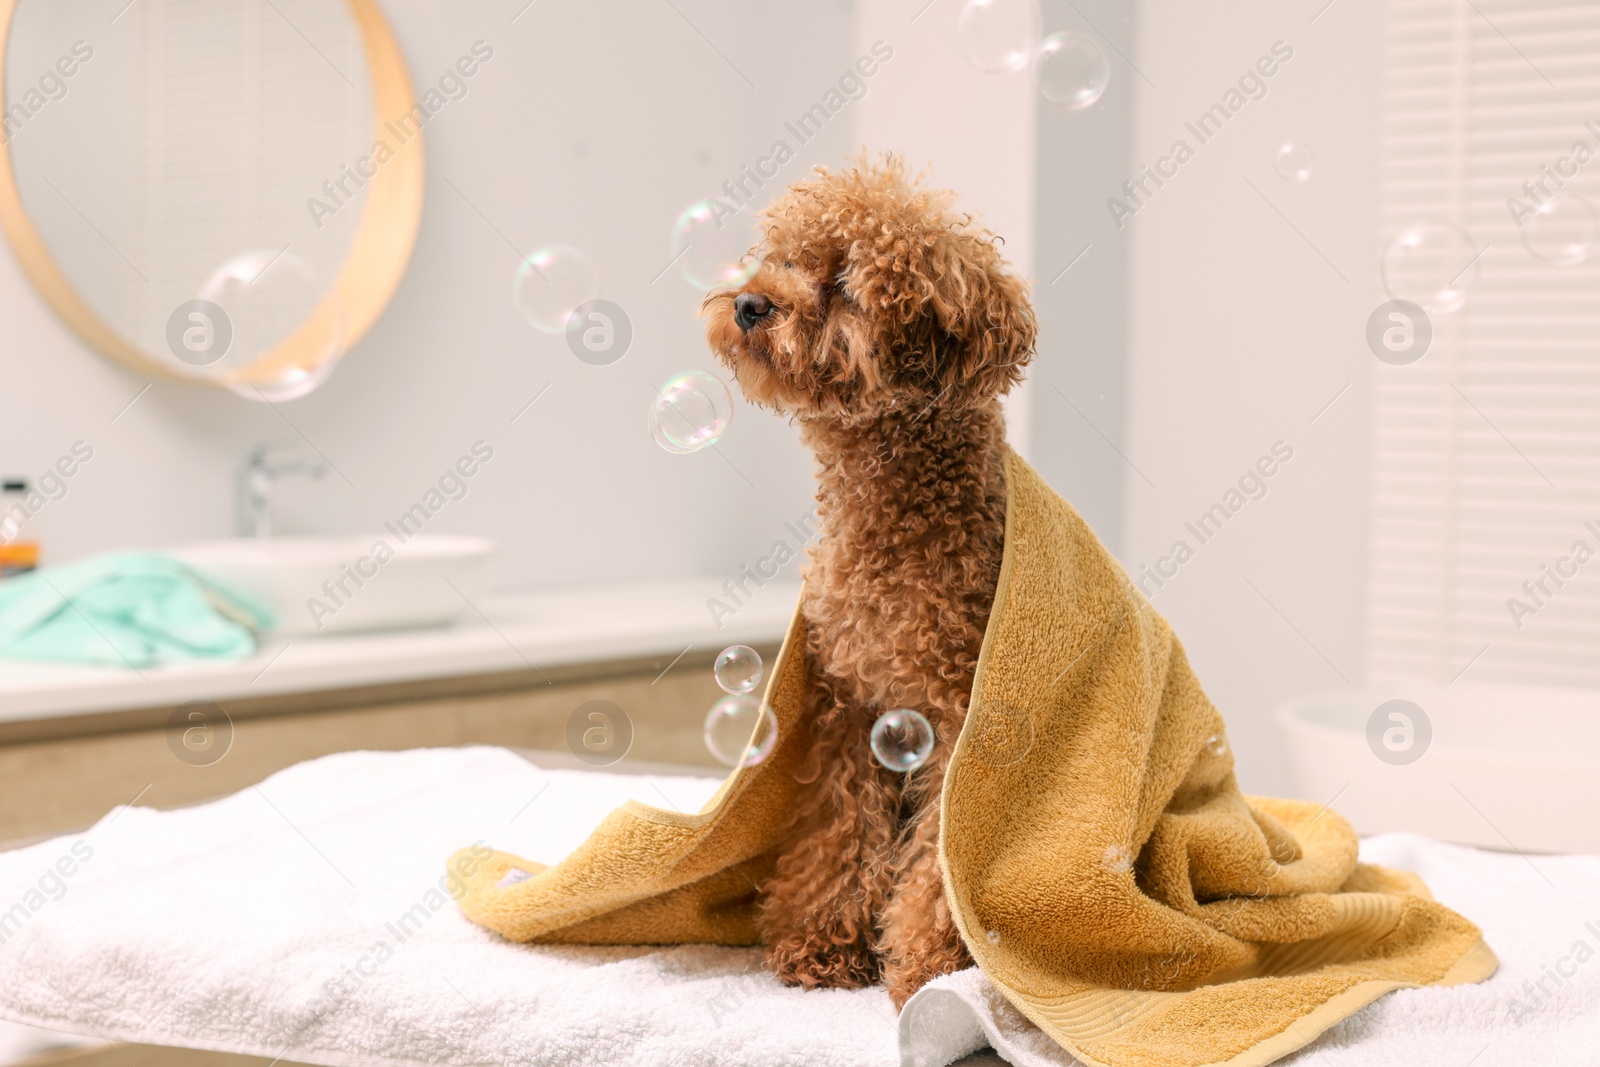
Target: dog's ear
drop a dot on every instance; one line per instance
(984, 310)
(966, 328)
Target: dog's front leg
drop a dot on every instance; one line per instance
(817, 915)
(920, 941)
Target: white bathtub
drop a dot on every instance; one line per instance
(1508, 768)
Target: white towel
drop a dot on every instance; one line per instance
(303, 918)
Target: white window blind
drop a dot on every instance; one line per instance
(244, 109)
(1486, 453)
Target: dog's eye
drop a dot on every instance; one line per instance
(788, 265)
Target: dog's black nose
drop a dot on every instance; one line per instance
(750, 308)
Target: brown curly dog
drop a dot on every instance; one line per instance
(887, 327)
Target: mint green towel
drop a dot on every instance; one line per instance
(125, 609)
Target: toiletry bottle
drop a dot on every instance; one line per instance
(19, 549)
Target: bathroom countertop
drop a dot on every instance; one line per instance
(517, 631)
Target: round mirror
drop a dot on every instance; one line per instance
(224, 191)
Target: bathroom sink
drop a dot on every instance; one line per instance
(1496, 766)
(318, 585)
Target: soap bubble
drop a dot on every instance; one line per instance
(1118, 859)
(1071, 70)
(740, 728)
(1561, 230)
(902, 739)
(712, 244)
(998, 36)
(550, 282)
(1432, 263)
(285, 329)
(287, 383)
(1293, 161)
(690, 411)
(1216, 744)
(738, 669)
(513, 876)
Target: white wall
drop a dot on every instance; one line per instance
(1081, 297)
(974, 130)
(1240, 331)
(593, 125)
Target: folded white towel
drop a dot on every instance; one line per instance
(305, 918)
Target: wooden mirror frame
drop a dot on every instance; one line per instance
(376, 261)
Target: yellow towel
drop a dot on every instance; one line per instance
(1104, 869)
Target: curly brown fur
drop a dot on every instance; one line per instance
(888, 327)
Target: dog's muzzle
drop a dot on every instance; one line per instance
(749, 309)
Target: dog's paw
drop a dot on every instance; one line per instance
(811, 965)
(906, 974)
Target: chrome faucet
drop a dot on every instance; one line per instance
(256, 480)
